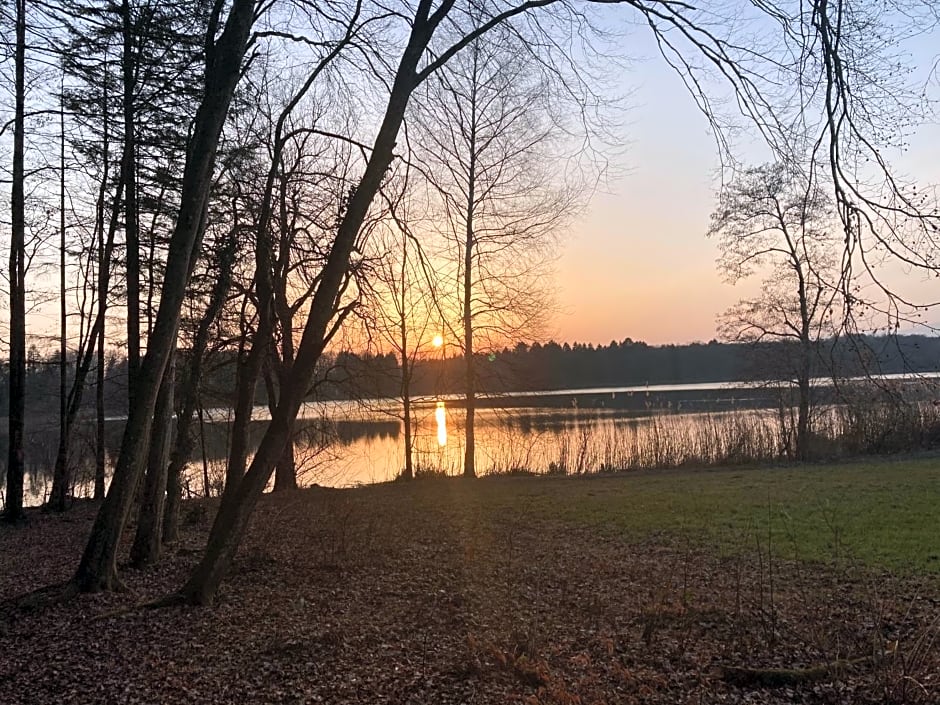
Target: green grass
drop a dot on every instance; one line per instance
(883, 514)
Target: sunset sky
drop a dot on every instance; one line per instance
(638, 264)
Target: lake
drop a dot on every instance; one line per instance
(565, 431)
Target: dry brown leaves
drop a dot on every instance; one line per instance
(421, 594)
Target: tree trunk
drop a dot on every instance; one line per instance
(62, 459)
(60, 478)
(235, 511)
(131, 226)
(185, 438)
(802, 423)
(16, 463)
(469, 460)
(98, 567)
(96, 337)
(206, 485)
(171, 510)
(103, 274)
(99, 419)
(806, 350)
(406, 367)
(408, 473)
(148, 539)
(250, 366)
(285, 474)
(802, 418)
(246, 380)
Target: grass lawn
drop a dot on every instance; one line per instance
(884, 514)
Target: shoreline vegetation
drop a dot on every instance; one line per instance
(558, 441)
(802, 583)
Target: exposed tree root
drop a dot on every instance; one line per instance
(174, 599)
(38, 600)
(781, 677)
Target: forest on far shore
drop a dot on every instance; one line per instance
(552, 365)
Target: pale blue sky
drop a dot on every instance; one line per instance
(638, 264)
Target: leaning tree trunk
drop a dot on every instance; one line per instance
(16, 462)
(131, 224)
(185, 438)
(285, 472)
(98, 567)
(148, 539)
(246, 380)
(235, 511)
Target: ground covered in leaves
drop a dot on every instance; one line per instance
(449, 591)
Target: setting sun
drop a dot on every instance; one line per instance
(438, 340)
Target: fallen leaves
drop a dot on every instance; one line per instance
(422, 594)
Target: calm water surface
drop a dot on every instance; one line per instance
(347, 443)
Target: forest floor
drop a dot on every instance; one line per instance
(818, 584)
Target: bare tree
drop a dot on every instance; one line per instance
(414, 66)
(311, 187)
(223, 262)
(490, 149)
(403, 316)
(770, 221)
(94, 340)
(148, 539)
(270, 292)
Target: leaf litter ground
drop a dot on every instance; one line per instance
(448, 591)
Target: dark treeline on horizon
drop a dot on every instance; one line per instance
(547, 366)
(552, 366)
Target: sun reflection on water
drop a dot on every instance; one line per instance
(440, 415)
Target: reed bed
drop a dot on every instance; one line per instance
(720, 439)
